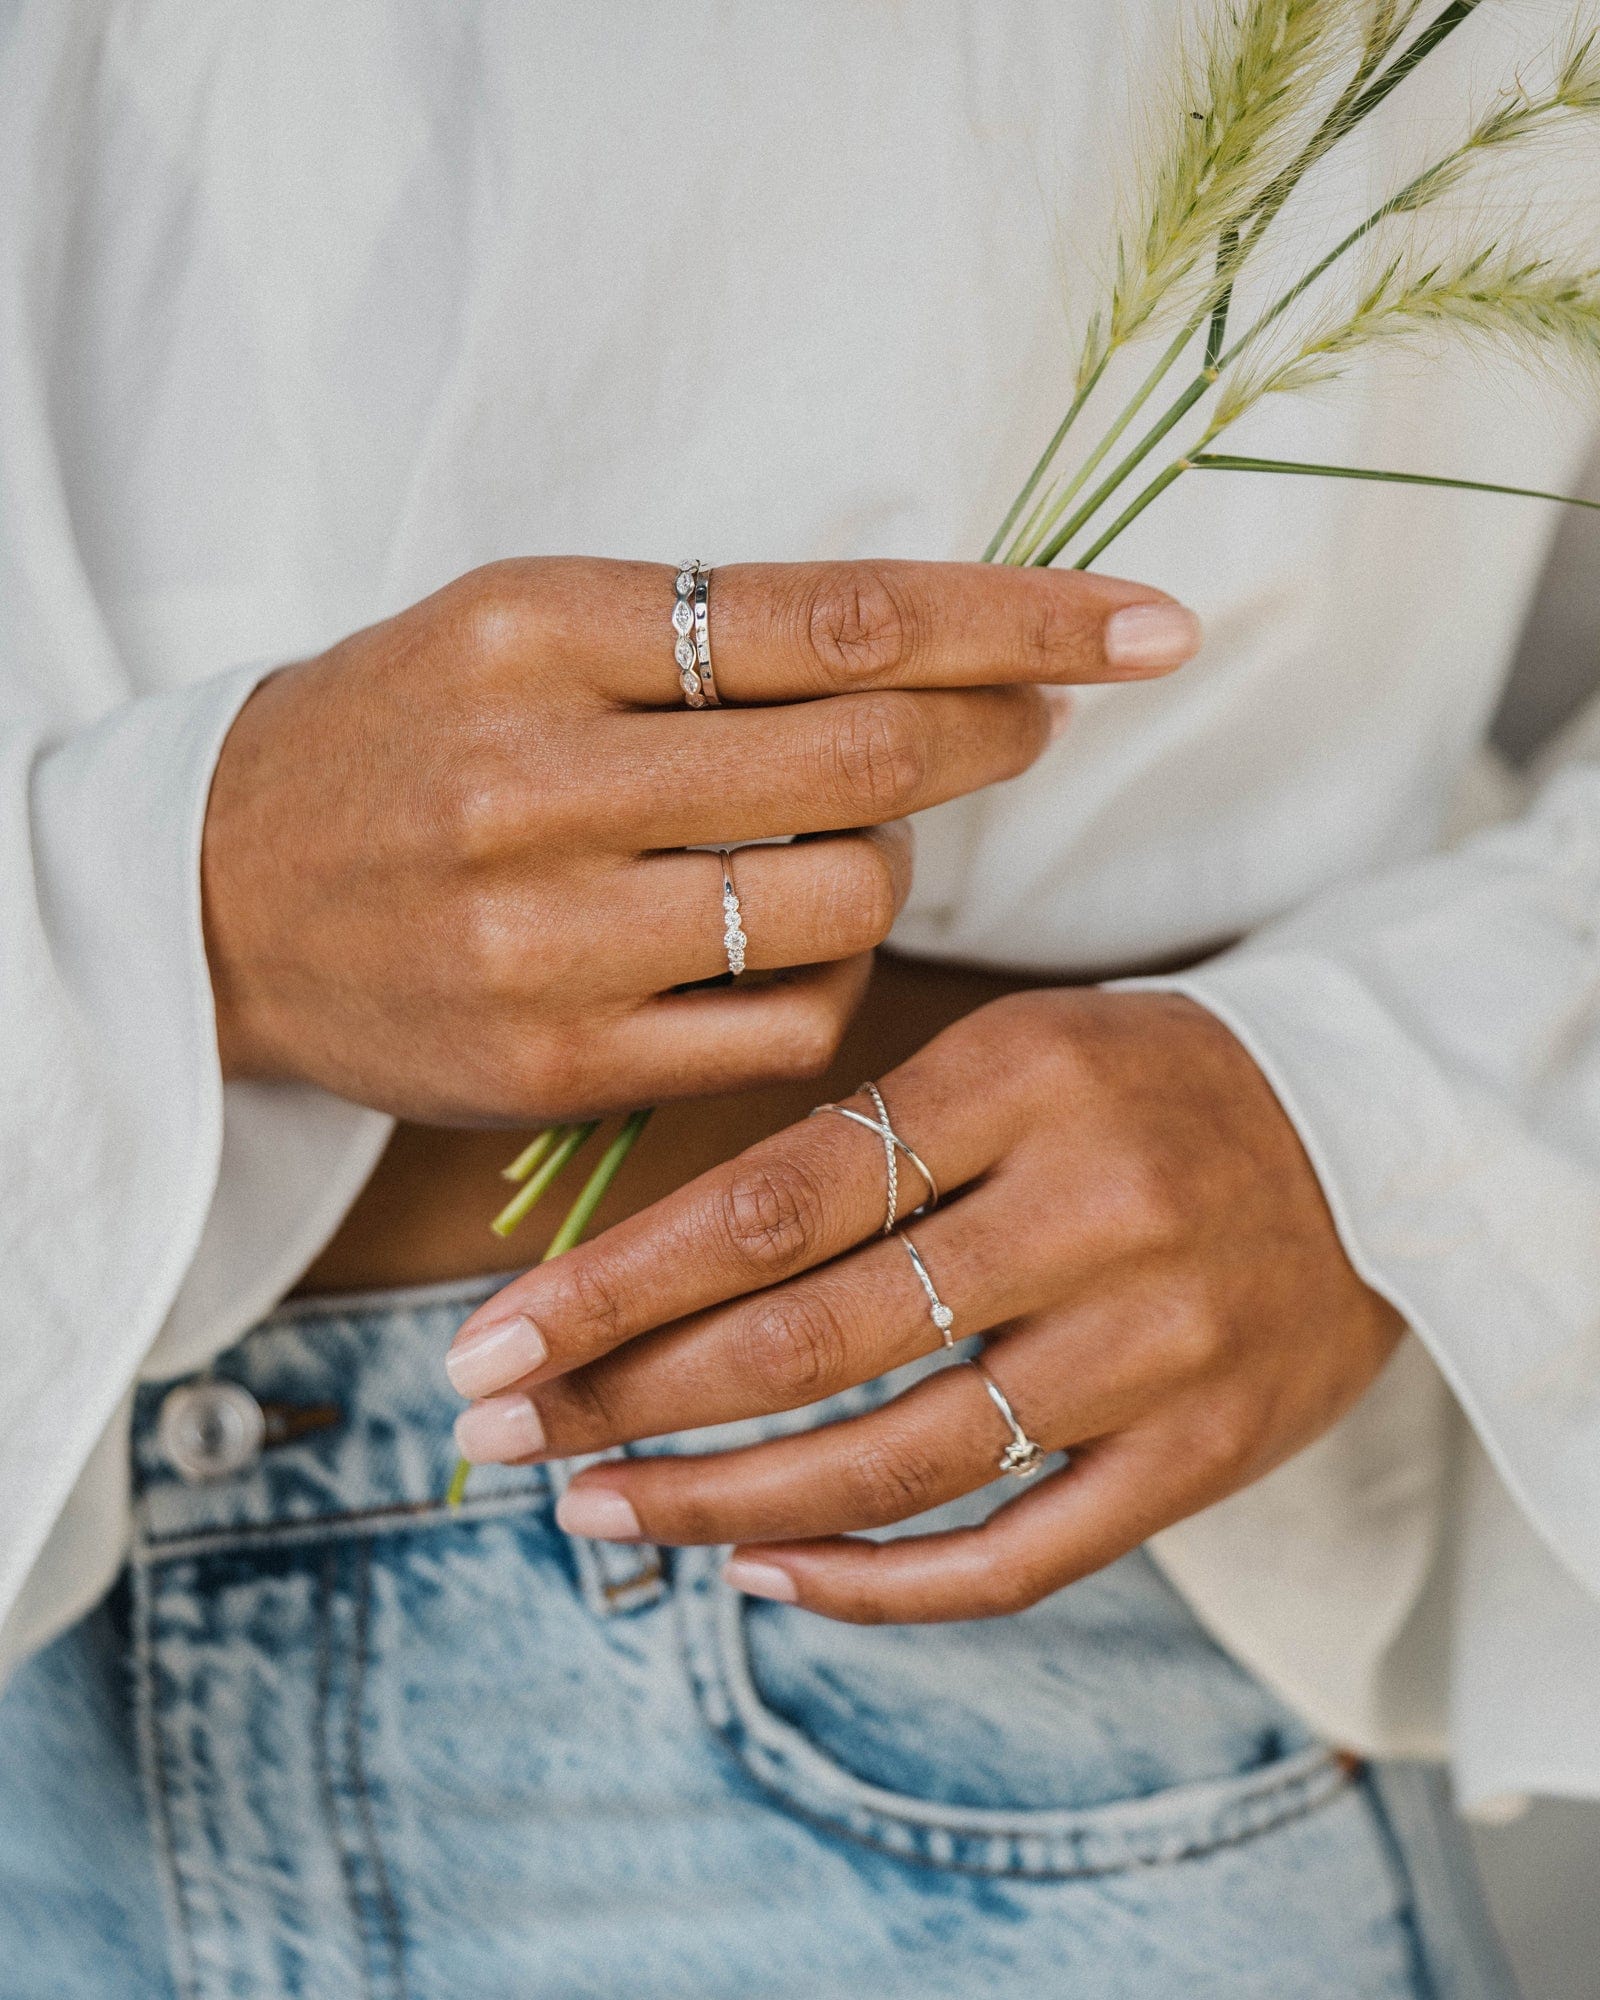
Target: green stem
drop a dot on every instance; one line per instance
(532, 1154)
(1027, 553)
(581, 1213)
(1217, 461)
(573, 1137)
(1133, 510)
(1119, 475)
(1050, 450)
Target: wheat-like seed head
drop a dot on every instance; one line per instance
(1244, 75)
(1532, 307)
(1386, 25)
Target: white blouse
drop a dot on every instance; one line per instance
(306, 308)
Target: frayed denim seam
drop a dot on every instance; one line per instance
(321, 1727)
(158, 1797)
(389, 1923)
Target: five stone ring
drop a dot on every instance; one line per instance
(691, 625)
(733, 937)
(893, 1144)
(1022, 1458)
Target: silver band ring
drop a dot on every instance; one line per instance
(1022, 1458)
(685, 651)
(941, 1315)
(702, 636)
(733, 937)
(893, 1144)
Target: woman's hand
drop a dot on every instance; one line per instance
(443, 862)
(1135, 1227)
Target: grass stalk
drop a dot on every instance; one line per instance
(573, 1138)
(581, 1213)
(532, 1154)
(1221, 461)
(1074, 410)
(1146, 389)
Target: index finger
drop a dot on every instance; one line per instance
(799, 631)
(781, 1207)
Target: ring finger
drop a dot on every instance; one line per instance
(943, 1438)
(809, 903)
(793, 1345)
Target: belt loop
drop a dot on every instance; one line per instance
(613, 1577)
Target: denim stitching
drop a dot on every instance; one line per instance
(1409, 1917)
(962, 1842)
(153, 1549)
(383, 1890)
(320, 1727)
(158, 1800)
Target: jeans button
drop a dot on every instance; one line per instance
(210, 1429)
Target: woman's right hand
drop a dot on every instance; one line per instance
(444, 867)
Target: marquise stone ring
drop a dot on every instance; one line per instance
(691, 627)
(1022, 1458)
(893, 1146)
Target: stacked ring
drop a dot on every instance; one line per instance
(691, 626)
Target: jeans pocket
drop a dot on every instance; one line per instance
(1101, 1734)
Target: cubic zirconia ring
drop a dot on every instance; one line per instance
(893, 1144)
(941, 1315)
(690, 579)
(1022, 1458)
(733, 937)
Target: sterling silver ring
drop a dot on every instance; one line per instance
(941, 1315)
(893, 1145)
(1022, 1458)
(733, 937)
(691, 627)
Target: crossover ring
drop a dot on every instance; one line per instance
(893, 1146)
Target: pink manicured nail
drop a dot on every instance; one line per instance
(1058, 701)
(760, 1580)
(598, 1514)
(503, 1428)
(1145, 638)
(489, 1355)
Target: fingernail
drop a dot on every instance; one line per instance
(1149, 637)
(1058, 702)
(760, 1580)
(598, 1514)
(503, 1428)
(488, 1356)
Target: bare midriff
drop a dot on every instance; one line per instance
(424, 1216)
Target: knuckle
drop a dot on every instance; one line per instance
(859, 626)
(882, 756)
(813, 1042)
(586, 1295)
(479, 810)
(1227, 1435)
(1050, 632)
(872, 897)
(494, 613)
(890, 1479)
(772, 1216)
(1003, 1591)
(793, 1349)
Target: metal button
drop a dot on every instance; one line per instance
(210, 1429)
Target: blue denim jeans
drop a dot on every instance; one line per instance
(332, 1741)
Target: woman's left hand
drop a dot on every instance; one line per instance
(1128, 1216)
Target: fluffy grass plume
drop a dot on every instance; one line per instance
(1223, 122)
